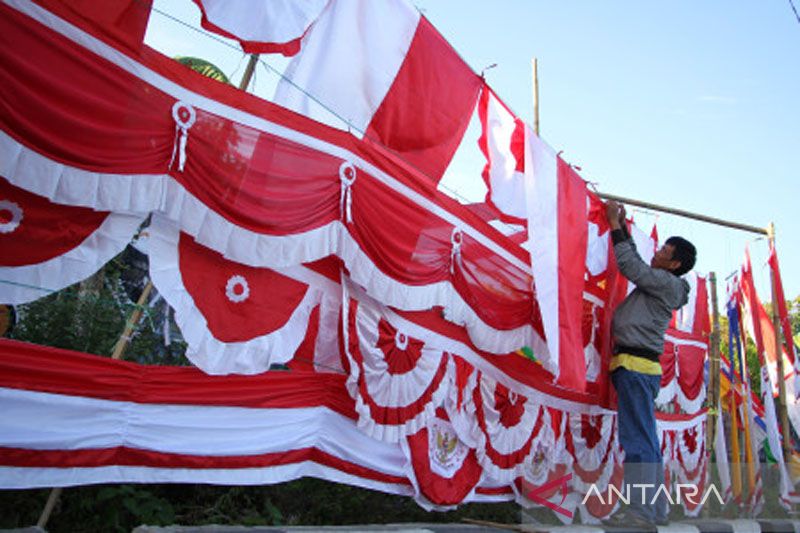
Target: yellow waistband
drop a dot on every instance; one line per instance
(636, 364)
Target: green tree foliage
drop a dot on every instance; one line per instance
(204, 67)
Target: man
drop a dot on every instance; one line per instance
(639, 325)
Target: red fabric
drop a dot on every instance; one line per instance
(122, 23)
(691, 361)
(398, 361)
(61, 100)
(44, 230)
(207, 275)
(429, 105)
(783, 313)
(572, 237)
(39, 368)
(702, 320)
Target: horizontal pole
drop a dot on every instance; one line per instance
(687, 214)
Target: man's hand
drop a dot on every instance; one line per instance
(614, 213)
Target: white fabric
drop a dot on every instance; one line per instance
(348, 62)
(79, 423)
(685, 316)
(541, 194)
(506, 184)
(266, 21)
(721, 455)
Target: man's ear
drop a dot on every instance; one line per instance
(674, 265)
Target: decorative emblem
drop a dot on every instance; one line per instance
(237, 290)
(347, 176)
(8, 225)
(401, 340)
(184, 116)
(446, 451)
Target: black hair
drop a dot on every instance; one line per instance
(683, 251)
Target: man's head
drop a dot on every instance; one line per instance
(677, 255)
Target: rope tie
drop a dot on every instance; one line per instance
(347, 175)
(676, 350)
(184, 116)
(455, 250)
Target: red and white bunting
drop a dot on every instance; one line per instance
(396, 379)
(48, 246)
(234, 317)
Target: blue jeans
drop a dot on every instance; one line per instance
(636, 421)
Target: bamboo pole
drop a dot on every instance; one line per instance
(248, 72)
(776, 324)
(683, 213)
(736, 456)
(535, 71)
(119, 350)
(712, 397)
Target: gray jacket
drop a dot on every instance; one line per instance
(641, 320)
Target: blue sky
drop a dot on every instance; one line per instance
(694, 105)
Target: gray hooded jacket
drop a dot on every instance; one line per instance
(641, 320)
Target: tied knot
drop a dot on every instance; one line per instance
(184, 116)
(456, 238)
(347, 176)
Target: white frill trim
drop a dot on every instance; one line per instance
(373, 428)
(22, 284)
(204, 350)
(691, 405)
(667, 393)
(591, 458)
(143, 193)
(62, 184)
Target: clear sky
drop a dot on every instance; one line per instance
(688, 104)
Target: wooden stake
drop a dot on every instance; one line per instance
(119, 350)
(776, 324)
(535, 69)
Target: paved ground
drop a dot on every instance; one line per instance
(684, 526)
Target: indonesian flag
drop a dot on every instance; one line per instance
(262, 26)
(557, 223)
(759, 325)
(502, 142)
(783, 312)
(383, 72)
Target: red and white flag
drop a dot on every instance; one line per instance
(557, 223)
(382, 71)
(262, 26)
